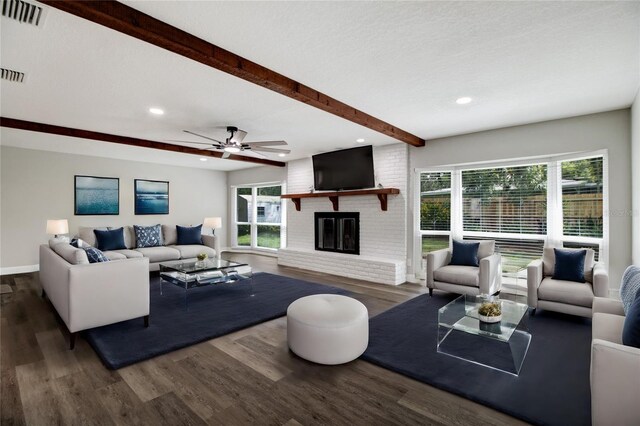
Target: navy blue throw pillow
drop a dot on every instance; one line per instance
(95, 255)
(189, 235)
(569, 265)
(631, 328)
(465, 254)
(110, 240)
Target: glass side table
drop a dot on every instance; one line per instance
(502, 345)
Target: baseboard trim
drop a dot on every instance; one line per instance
(267, 253)
(19, 269)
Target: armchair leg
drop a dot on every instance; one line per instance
(72, 341)
(146, 320)
(43, 294)
(533, 311)
(431, 292)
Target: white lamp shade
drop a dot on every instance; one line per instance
(212, 222)
(57, 226)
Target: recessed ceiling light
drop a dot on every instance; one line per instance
(156, 111)
(282, 154)
(203, 159)
(360, 140)
(463, 100)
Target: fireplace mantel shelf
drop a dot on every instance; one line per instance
(382, 194)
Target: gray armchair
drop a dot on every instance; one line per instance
(615, 383)
(483, 279)
(568, 297)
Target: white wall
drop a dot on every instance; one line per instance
(635, 185)
(610, 130)
(260, 174)
(39, 185)
(383, 234)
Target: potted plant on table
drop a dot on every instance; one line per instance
(201, 258)
(490, 312)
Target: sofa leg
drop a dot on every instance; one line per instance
(146, 320)
(431, 292)
(533, 311)
(43, 294)
(72, 340)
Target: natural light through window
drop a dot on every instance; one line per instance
(511, 205)
(259, 212)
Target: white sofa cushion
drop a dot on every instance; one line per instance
(114, 255)
(122, 254)
(74, 256)
(169, 235)
(159, 254)
(458, 274)
(189, 251)
(569, 292)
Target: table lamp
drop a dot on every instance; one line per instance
(57, 227)
(213, 223)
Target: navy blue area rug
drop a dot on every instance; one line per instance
(553, 385)
(213, 311)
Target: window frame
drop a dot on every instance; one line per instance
(555, 234)
(253, 217)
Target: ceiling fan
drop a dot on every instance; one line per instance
(234, 145)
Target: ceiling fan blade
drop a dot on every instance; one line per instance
(202, 136)
(252, 154)
(238, 136)
(265, 149)
(226, 154)
(265, 143)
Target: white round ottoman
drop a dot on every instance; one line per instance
(328, 328)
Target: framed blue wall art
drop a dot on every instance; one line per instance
(151, 196)
(95, 195)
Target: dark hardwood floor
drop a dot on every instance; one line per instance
(248, 377)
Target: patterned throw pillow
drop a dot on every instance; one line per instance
(629, 287)
(148, 236)
(95, 255)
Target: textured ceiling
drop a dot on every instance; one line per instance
(405, 63)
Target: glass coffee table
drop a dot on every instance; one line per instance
(502, 345)
(188, 274)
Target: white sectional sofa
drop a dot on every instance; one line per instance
(169, 251)
(88, 295)
(92, 295)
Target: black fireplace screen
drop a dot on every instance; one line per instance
(338, 232)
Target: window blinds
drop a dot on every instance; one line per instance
(505, 200)
(582, 197)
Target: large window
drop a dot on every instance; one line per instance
(435, 210)
(259, 211)
(511, 205)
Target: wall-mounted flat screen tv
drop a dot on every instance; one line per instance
(344, 169)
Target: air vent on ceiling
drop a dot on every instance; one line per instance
(22, 11)
(12, 75)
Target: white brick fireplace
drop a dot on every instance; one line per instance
(383, 234)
